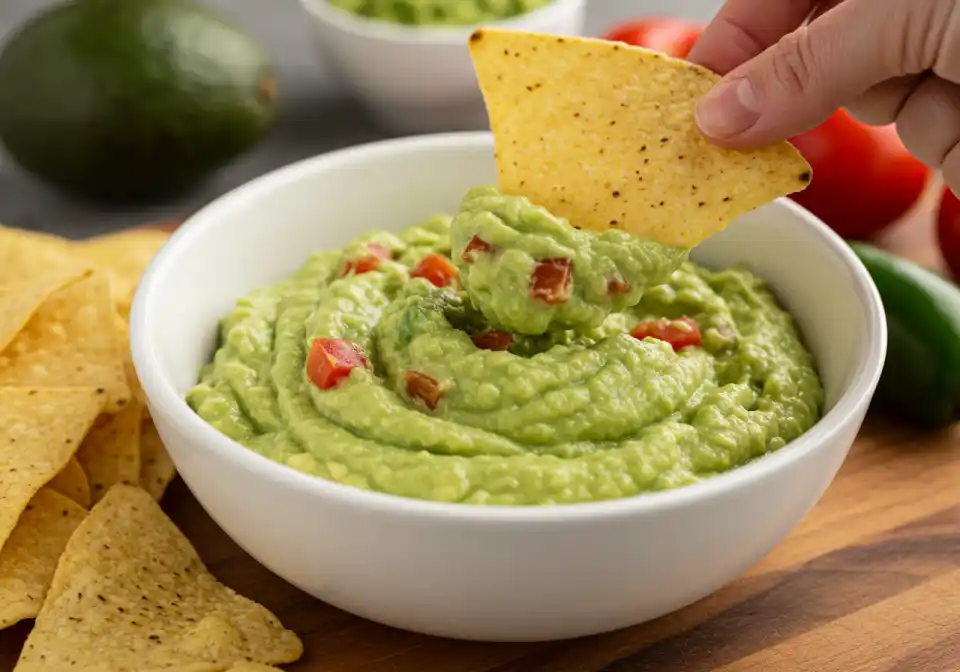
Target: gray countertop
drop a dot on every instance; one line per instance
(315, 116)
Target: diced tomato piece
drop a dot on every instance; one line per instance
(437, 269)
(423, 387)
(368, 262)
(493, 340)
(476, 246)
(552, 281)
(331, 359)
(680, 333)
(617, 286)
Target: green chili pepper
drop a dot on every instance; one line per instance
(921, 378)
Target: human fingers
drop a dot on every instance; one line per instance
(879, 105)
(929, 122)
(744, 28)
(808, 74)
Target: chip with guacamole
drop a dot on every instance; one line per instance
(550, 342)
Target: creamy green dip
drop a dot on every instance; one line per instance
(440, 12)
(576, 410)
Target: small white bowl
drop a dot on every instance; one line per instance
(419, 79)
(490, 573)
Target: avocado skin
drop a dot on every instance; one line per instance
(132, 100)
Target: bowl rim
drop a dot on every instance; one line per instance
(399, 33)
(162, 394)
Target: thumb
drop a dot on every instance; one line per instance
(802, 79)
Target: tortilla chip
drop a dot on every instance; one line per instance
(124, 256)
(129, 371)
(72, 482)
(70, 341)
(156, 467)
(603, 134)
(19, 301)
(40, 430)
(110, 453)
(26, 254)
(29, 558)
(130, 593)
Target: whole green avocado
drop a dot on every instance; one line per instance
(132, 99)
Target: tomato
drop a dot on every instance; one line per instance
(493, 340)
(332, 359)
(368, 262)
(680, 333)
(476, 246)
(669, 35)
(617, 286)
(552, 281)
(948, 230)
(423, 387)
(437, 269)
(863, 177)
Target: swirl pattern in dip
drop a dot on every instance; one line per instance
(527, 380)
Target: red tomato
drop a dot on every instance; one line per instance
(493, 340)
(552, 281)
(863, 177)
(476, 246)
(437, 269)
(680, 333)
(368, 262)
(948, 230)
(423, 387)
(671, 36)
(617, 286)
(332, 359)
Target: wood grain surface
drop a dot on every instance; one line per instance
(868, 582)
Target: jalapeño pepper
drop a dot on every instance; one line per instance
(921, 378)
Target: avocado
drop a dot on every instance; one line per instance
(132, 100)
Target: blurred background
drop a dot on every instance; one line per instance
(315, 114)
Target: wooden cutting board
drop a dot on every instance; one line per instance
(868, 582)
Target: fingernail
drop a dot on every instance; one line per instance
(728, 109)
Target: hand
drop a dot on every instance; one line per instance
(887, 61)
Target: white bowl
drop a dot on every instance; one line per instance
(491, 573)
(419, 79)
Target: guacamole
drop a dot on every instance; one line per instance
(504, 357)
(440, 12)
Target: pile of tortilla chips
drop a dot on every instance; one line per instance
(84, 547)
